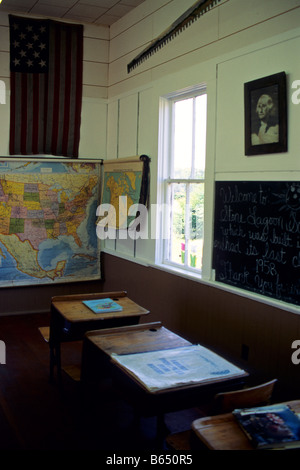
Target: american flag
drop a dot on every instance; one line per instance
(46, 87)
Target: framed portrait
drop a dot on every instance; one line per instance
(266, 115)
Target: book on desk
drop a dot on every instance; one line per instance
(270, 427)
(106, 305)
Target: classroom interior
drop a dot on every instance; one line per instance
(234, 43)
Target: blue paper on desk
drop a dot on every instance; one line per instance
(103, 305)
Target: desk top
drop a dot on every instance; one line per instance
(144, 337)
(222, 432)
(159, 360)
(73, 310)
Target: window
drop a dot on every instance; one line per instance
(182, 179)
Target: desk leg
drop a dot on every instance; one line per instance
(161, 429)
(55, 344)
(55, 360)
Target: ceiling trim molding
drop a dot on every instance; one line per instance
(197, 10)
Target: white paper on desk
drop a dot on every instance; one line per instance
(159, 370)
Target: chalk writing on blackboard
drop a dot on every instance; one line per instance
(257, 237)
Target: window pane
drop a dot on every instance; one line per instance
(200, 135)
(186, 237)
(183, 138)
(194, 250)
(178, 219)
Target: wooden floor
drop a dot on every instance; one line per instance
(35, 416)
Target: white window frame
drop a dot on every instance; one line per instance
(165, 156)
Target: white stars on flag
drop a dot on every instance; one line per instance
(29, 46)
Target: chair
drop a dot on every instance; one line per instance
(226, 402)
(244, 398)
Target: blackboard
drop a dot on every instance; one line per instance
(257, 237)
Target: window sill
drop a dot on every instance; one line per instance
(177, 270)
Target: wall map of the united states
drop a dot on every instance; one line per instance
(47, 222)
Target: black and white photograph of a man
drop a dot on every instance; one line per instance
(264, 116)
(265, 104)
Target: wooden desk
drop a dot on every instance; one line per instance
(70, 319)
(222, 432)
(99, 347)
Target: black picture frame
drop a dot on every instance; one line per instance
(265, 104)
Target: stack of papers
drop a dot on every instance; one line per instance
(159, 370)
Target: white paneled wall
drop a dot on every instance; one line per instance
(93, 131)
(232, 74)
(231, 25)
(132, 34)
(128, 125)
(93, 139)
(130, 133)
(4, 76)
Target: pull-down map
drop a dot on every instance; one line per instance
(48, 222)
